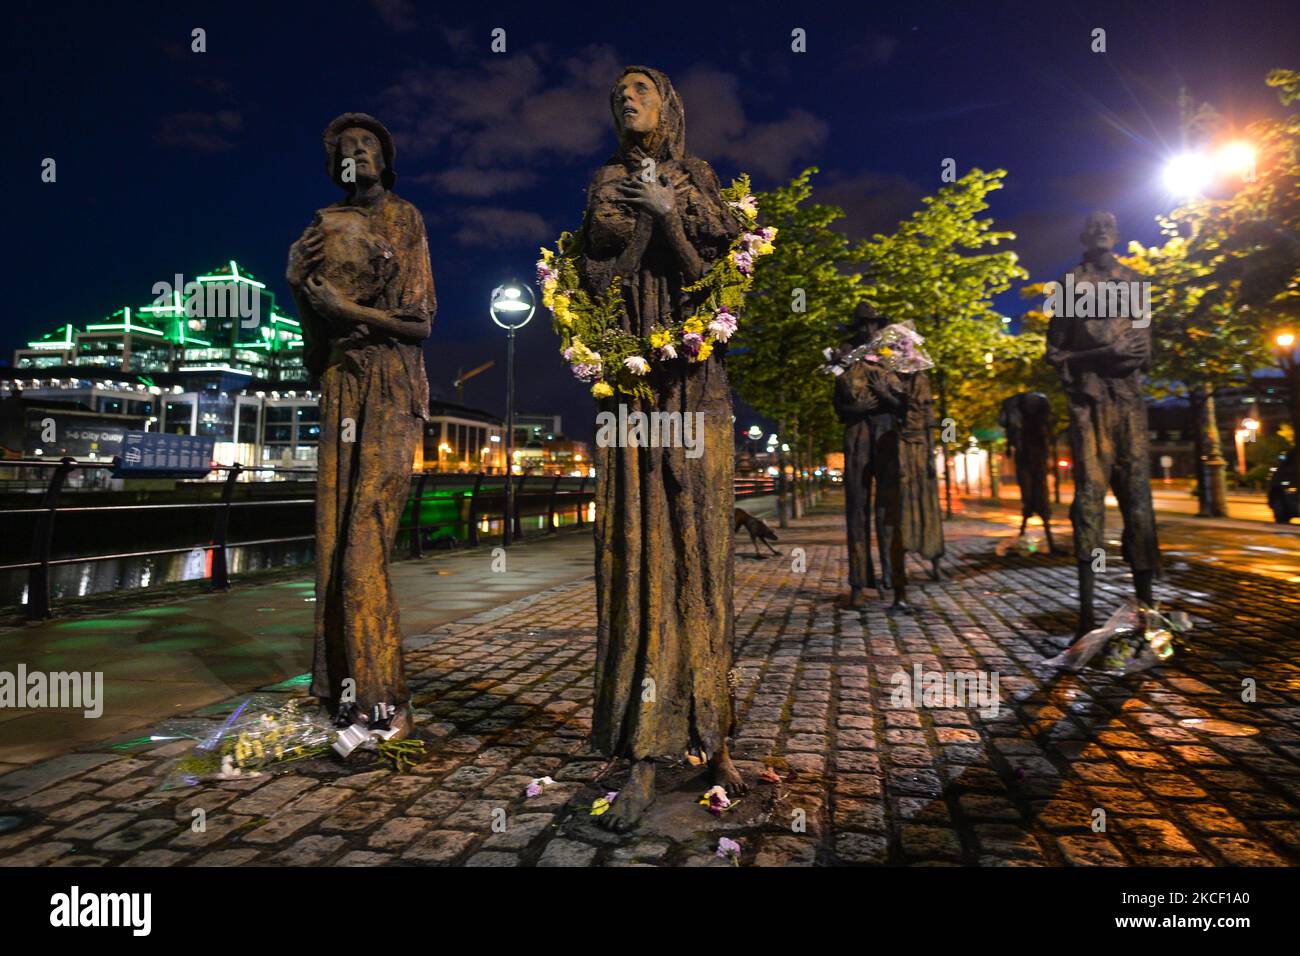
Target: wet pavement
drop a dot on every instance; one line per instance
(1194, 763)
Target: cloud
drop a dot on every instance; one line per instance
(496, 225)
(203, 132)
(471, 181)
(398, 15)
(504, 117)
(872, 202)
(717, 127)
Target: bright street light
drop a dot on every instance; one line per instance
(1237, 158)
(1188, 174)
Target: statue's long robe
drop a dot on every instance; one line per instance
(664, 521)
(1109, 434)
(868, 424)
(1026, 417)
(919, 519)
(374, 398)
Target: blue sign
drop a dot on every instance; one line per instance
(159, 455)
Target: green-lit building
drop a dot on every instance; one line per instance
(209, 355)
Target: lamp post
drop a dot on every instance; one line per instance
(511, 308)
(1285, 341)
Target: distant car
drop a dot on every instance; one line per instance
(1284, 489)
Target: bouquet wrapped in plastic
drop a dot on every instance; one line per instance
(895, 348)
(1133, 639)
(252, 739)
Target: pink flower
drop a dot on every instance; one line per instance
(692, 341)
(744, 261)
(723, 326)
(729, 850)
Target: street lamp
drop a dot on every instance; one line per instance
(511, 307)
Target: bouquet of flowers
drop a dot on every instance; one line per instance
(895, 348)
(251, 740)
(1133, 639)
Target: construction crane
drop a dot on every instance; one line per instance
(462, 377)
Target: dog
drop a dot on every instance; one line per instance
(758, 531)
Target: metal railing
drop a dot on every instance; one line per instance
(481, 505)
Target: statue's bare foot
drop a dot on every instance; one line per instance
(632, 800)
(855, 599)
(725, 775)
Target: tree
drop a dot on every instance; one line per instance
(801, 294)
(1249, 243)
(930, 271)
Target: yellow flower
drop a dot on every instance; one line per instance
(601, 390)
(763, 248)
(886, 351)
(660, 339)
(706, 349)
(547, 256)
(560, 309)
(694, 325)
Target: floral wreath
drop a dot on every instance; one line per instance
(592, 339)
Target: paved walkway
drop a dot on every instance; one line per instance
(163, 656)
(1181, 770)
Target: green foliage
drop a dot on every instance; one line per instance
(774, 357)
(933, 272)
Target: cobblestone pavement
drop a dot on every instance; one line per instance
(1185, 772)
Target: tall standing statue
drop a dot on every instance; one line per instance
(1027, 419)
(664, 547)
(914, 497)
(1101, 359)
(882, 394)
(361, 280)
(867, 423)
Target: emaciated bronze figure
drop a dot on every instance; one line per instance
(889, 467)
(1101, 360)
(361, 280)
(1027, 419)
(664, 548)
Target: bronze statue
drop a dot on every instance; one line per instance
(889, 467)
(664, 547)
(858, 405)
(1027, 419)
(909, 505)
(361, 280)
(1101, 360)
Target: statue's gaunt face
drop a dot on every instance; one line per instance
(639, 103)
(363, 147)
(1099, 234)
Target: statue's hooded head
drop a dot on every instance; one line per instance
(865, 322)
(1100, 232)
(336, 148)
(648, 115)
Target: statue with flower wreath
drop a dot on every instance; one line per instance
(644, 298)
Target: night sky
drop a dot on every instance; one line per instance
(172, 161)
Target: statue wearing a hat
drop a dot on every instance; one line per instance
(361, 280)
